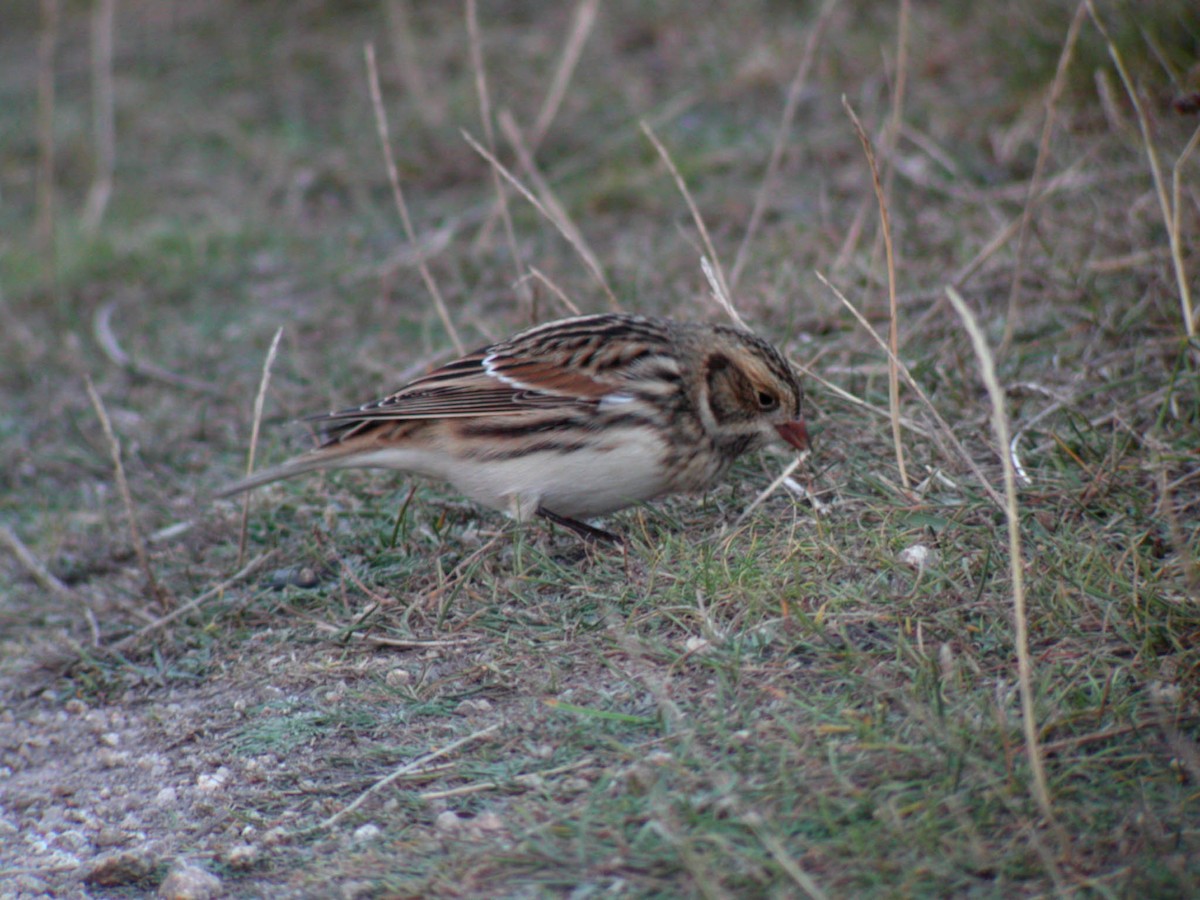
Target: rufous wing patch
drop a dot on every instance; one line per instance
(549, 378)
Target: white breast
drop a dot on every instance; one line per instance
(622, 469)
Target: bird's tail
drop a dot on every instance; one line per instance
(324, 458)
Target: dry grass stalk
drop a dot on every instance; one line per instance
(259, 402)
(1169, 205)
(531, 779)
(43, 227)
(849, 243)
(775, 847)
(895, 125)
(769, 489)
(135, 534)
(195, 603)
(106, 338)
(799, 80)
(37, 571)
(582, 23)
(581, 28)
(385, 141)
(475, 42)
(405, 45)
(407, 769)
(564, 227)
(1033, 194)
(512, 133)
(718, 293)
(946, 430)
(859, 403)
(893, 314)
(558, 292)
(103, 121)
(1167, 508)
(720, 284)
(987, 369)
(342, 633)
(967, 271)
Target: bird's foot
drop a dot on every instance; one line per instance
(585, 532)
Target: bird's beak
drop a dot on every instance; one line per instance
(795, 433)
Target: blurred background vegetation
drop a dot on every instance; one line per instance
(846, 724)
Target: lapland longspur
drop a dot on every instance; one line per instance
(574, 418)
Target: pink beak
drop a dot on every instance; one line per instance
(795, 433)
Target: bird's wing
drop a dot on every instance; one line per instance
(571, 363)
(482, 383)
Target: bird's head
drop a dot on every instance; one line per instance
(749, 395)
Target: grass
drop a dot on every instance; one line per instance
(783, 706)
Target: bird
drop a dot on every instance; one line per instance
(573, 419)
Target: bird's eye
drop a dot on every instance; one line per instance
(767, 401)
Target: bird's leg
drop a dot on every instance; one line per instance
(584, 531)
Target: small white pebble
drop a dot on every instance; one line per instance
(151, 762)
(122, 867)
(96, 720)
(488, 821)
(946, 661)
(110, 739)
(72, 840)
(168, 796)
(697, 644)
(398, 677)
(574, 785)
(448, 822)
(643, 774)
(189, 882)
(918, 556)
(213, 782)
(109, 837)
(112, 759)
(1164, 692)
(364, 834)
(241, 857)
(470, 706)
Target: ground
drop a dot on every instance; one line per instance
(384, 691)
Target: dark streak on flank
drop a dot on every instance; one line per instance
(494, 454)
(505, 430)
